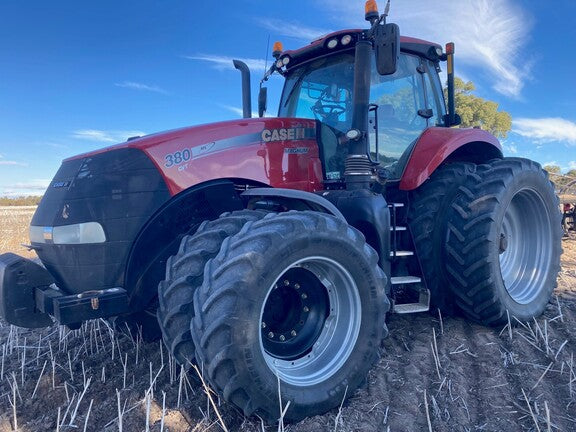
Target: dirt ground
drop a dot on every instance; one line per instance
(436, 373)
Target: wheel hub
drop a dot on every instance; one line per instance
(294, 314)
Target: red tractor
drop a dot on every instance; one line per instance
(270, 250)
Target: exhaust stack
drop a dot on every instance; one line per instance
(246, 92)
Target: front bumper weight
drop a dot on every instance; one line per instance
(76, 308)
(19, 278)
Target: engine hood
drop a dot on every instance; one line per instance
(261, 149)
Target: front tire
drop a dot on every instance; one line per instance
(296, 300)
(504, 242)
(185, 273)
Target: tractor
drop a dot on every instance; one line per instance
(269, 251)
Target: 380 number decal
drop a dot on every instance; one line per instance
(177, 158)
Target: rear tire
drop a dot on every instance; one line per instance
(296, 300)
(427, 213)
(504, 242)
(185, 272)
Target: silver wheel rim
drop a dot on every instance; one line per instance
(525, 246)
(338, 335)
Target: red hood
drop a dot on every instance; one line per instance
(206, 132)
(279, 152)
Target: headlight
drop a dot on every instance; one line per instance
(346, 39)
(83, 233)
(332, 43)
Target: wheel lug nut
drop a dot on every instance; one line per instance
(293, 333)
(282, 338)
(271, 335)
(304, 296)
(306, 309)
(263, 324)
(286, 282)
(297, 286)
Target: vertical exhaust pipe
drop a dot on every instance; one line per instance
(246, 93)
(358, 171)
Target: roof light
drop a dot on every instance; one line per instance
(277, 49)
(279, 64)
(346, 39)
(371, 10)
(285, 60)
(332, 43)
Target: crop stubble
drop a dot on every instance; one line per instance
(436, 373)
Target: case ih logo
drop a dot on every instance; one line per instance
(269, 135)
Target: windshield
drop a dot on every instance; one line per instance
(321, 90)
(404, 104)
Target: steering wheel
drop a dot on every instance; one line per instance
(326, 108)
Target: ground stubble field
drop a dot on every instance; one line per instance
(436, 373)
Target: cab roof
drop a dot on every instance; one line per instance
(319, 47)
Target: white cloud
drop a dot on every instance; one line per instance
(553, 129)
(292, 29)
(240, 112)
(13, 163)
(489, 34)
(224, 62)
(572, 165)
(105, 136)
(36, 184)
(511, 148)
(141, 87)
(32, 187)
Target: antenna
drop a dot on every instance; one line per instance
(266, 58)
(387, 9)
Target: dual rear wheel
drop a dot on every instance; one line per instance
(488, 237)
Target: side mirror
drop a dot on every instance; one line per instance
(387, 48)
(262, 101)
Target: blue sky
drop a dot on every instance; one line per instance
(77, 76)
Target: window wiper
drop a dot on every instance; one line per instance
(294, 87)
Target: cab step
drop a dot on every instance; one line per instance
(398, 228)
(423, 304)
(401, 280)
(401, 253)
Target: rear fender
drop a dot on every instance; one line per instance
(438, 144)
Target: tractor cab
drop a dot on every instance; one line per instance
(372, 93)
(401, 105)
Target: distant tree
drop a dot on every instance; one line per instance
(562, 180)
(476, 111)
(552, 169)
(20, 201)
